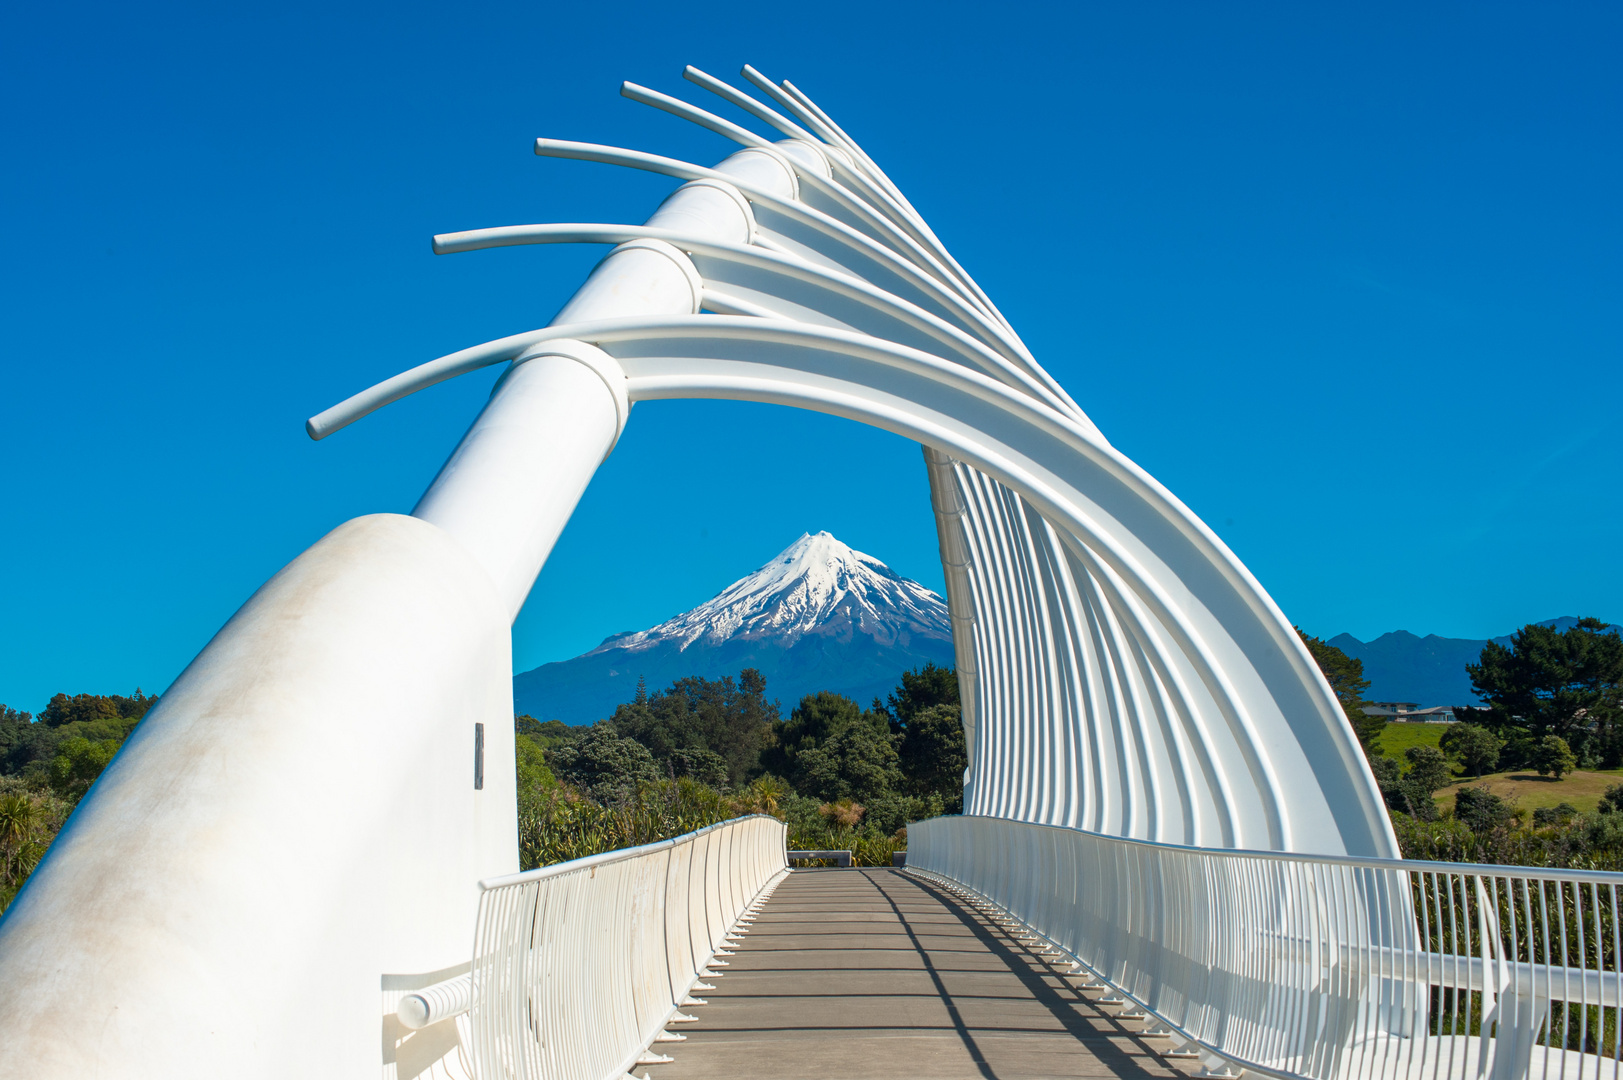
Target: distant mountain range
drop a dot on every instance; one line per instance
(820, 616)
(1429, 670)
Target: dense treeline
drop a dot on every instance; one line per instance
(844, 776)
(703, 750)
(47, 763)
(1553, 704)
(669, 762)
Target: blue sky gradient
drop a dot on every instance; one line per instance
(1346, 279)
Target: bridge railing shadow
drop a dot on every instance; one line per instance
(1315, 966)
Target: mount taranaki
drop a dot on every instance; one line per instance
(820, 616)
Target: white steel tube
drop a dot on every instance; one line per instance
(507, 490)
(428, 1006)
(512, 483)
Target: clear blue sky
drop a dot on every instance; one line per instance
(1345, 278)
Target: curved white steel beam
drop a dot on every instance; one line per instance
(779, 285)
(1122, 672)
(833, 197)
(872, 210)
(865, 308)
(1269, 826)
(693, 114)
(788, 95)
(839, 158)
(885, 237)
(792, 99)
(1046, 480)
(823, 131)
(848, 255)
(1085, 622)
(807, 232)
(730, 93)
(852, 286)
(1113, 516)
(936, 244)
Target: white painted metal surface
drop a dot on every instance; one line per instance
(238, 895)
(579, 967)
(290, 841)
(292, 834)
(1122, 671)
(1316, 966)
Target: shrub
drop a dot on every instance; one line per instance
(1428, 768)
(78, 762)
(607, 766)
(844, 814)
(29, 821)
(1559, 814)
(1480, 810)
(1604, 832)
(1552, 755)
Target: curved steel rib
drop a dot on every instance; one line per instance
(1124, 672)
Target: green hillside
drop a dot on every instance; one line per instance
(1399, 737)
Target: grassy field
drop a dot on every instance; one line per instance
(1399, 737)
(1530, 791)
(1526, 788)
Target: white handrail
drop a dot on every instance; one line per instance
(1313, 966)
(578, 967)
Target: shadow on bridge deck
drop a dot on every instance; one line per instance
(871, 973)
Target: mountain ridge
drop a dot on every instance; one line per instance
(1430, 670)
(823, 616)
(818, 616)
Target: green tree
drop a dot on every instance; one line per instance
(697, 721)
(28, 743)
(1612, 801)
(606, 765)
(1346, 678)
(933, 755)
(1480, 809)
(534, 775)
(857, 762)
(830, 748)
(1559, 814)
(1552, 755)
(86, 708)
(822, 715)
(78, 763)
(545, 735)
(1550, 682)
(1410, 793)
(14, 724)
(47, 763)
(697, 763)
(1476, 747)
(29, 821)
(922, 688)
(1428, 768)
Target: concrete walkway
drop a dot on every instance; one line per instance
(871, 973)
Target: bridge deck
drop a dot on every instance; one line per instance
(871, 973)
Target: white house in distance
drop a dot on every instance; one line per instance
(1411, 712)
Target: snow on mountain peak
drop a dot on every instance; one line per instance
(816, 585)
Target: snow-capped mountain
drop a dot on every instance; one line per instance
(819, 616)
(817, 585)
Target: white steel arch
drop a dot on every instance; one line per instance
(299, 826)
(1123, 672)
